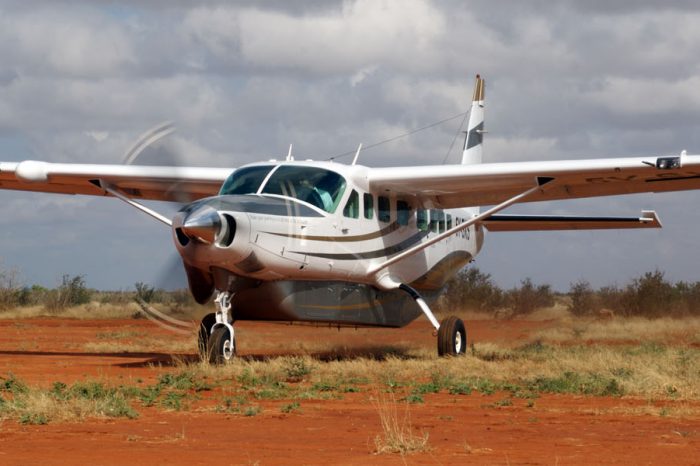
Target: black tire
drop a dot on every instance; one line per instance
(222, 347)
(452, 337)
(204, 333)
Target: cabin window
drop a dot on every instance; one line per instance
(441, 220)
(352, 207)
(402, 212)
(449, 221)
(433, 220)
(369, 205)
(316, 186)
(422, 220)
(245, 180)
(384, 206)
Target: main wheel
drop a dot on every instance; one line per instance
(204, 334)
(452, 337)
(222, 346)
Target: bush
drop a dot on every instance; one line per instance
(528, 298)
(583, 299)
(9, 289)
(145, 292)
(650, 295)
(72, 292)
(472, 289)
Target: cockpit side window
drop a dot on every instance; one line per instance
(317, 186)
(245, 180)
(352, 207)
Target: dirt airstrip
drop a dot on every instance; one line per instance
(473, 429)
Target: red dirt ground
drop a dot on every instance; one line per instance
(462, 429)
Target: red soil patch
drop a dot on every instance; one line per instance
(461, 429)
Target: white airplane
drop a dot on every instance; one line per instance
(348, 244)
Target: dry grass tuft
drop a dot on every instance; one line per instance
(397, 431)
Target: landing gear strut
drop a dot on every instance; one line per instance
(451, 333)
(217, 339)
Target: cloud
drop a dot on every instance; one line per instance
(80, 80)
(361, 35)
(49, 42)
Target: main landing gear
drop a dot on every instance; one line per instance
(217, 339)
(451, 333)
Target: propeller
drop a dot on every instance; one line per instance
(201, 224)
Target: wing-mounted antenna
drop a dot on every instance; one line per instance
(357, 154)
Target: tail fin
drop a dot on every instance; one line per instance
(474, 141)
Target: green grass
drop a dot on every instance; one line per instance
(653, 370)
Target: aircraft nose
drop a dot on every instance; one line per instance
(203, 224)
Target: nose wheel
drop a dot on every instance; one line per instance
(217, 339)
(222, 346)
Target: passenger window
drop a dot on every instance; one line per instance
(433, 220)
(441, 217)
(352, 208)
(422, 220)
(403, 212)
(369, 205)
(449, 221)
(384, 209)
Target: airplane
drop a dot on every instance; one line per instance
(346, 244)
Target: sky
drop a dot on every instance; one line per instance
(79, 81)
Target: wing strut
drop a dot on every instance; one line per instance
(541, 182)
(107, 188)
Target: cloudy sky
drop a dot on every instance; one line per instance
(79, 81)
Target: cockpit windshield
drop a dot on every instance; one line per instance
(317, 186)
(245, 180)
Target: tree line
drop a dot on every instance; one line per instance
(649, 295)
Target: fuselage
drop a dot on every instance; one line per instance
(320, 222)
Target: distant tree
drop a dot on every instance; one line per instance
(650, 295)
(145, 292)
(472, 289)
(9, 288)
(528, 298)
(583, 299)
(72, 292)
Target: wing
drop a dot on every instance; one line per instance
(449, 186)
(140, 182)
(648, 219)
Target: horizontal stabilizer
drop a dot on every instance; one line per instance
(648, 219)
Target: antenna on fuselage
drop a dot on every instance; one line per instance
(289, 154)
(357, 154)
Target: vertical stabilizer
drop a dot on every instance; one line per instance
(474, 141)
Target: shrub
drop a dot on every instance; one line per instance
(472, 289)
(583, 299)
(145, 292)
(649, 295)
(528, 298)
(72, 292)
(9, 289)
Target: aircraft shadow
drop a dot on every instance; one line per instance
(146, 359)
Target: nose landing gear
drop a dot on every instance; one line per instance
(217, 339)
